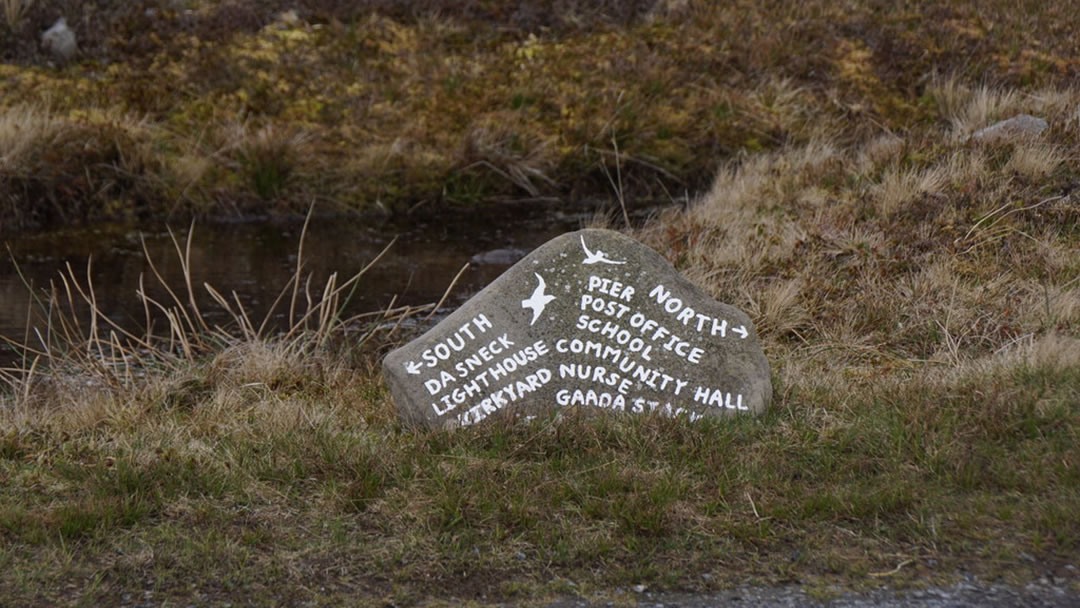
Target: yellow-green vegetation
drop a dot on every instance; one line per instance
(212, 108)
(917, 292)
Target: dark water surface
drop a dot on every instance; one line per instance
(256, 259)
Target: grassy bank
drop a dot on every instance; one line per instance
(918, 298)
(174, 108)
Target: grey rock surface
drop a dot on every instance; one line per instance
(592, 318)
(1017, 126)
(60, 40)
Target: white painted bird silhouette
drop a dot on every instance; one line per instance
(599, 256)
(538, 300)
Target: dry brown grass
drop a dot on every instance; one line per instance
(21, 131)
(1034, 161)
(922, 247)
(14, 12)
(60, 169)
(75, 342)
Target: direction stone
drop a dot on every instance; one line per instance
(591, 319)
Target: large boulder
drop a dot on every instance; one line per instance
(60, 41)
(593, 319)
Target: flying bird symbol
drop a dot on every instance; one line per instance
(538, 300)
(598, 256)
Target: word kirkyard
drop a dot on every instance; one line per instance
(591, 319)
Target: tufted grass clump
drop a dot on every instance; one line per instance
(14, 12)
(58, 170)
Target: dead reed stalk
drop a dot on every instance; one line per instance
(75, 337)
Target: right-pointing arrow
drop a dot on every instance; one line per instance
(741, 330)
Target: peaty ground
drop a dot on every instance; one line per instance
(202, 108)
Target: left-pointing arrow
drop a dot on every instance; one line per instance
(412, 367)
